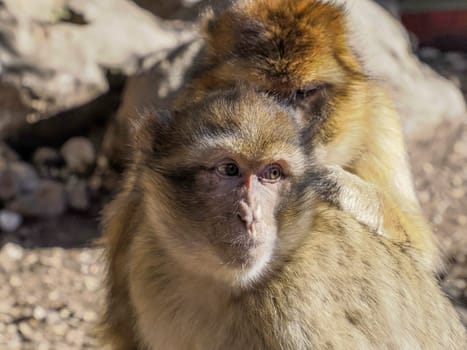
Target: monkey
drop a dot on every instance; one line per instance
(218, 240)
(298, 51)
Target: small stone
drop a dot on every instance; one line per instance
(429, 54)
(13, 251)
(48, 200)
(65, 313)
(456, 60)
(75, 336)
(462, 220)
(458, 193)
(460, 284)
(44, 345)
(92, 284)
(26, 175)
(9, 221)
(7, 154)
(15, 281)
(60, 328)
(48, 161)
(89, 316)
(9, 184)
(39, 313)
(53, 317)
(428, 168)
(77, 194)
(424, 196)
(26, 330)
(457, 181)
(79, 154)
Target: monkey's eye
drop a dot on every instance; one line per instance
(308, 93)
(228, 169)
(272, 173)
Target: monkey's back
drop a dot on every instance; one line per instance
(346, 288)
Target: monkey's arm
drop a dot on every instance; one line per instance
(381, 193)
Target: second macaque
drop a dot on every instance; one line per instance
(298, 52)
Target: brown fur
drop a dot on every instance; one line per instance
(331, 284)
(284, 47)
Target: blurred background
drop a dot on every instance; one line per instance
(71, 71)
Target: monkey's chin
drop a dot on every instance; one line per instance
(248, 267)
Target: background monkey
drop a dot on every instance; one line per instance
(218, 241)
(297, 51)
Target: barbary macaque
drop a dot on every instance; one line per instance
(297, 51)
(220, 240)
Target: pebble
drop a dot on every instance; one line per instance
(77, 194)
(429, 54)
(26, 330)
(13, 251)
(457, 61)
(28, 179)
(79, 155)
(64, 313)
(89, 316)
(48, 200)
(9, 184)
(39, 313)
(9, 221)
(60, 328)
(48, 161)
(7, 154)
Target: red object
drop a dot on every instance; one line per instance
(444, 29)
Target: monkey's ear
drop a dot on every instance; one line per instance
(208, 21)
(149, 127)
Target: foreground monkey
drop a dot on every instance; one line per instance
(218, 241)
(297, 51)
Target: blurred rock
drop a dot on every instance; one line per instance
(7, 154)
(179, 9)
(55, 55)
(48, 162)
(77, 194)
(26, 176)
(429, 54)
(79, 155)
(9, 184)
(9, 221)
(457, 61)
(16, 177)
(47, 200)
(156, 88)
(11, 251)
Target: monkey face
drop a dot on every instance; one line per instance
(223, 173)
(294, 50)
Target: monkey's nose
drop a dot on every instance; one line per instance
(246, 215)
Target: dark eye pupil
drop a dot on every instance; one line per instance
(231, 169)
(273, 173)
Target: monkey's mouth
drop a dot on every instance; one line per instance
(240, 253)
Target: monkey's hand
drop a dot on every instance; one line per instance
(353, 195)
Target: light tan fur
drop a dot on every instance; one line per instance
(330, 282)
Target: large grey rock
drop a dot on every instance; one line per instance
(54, 54)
